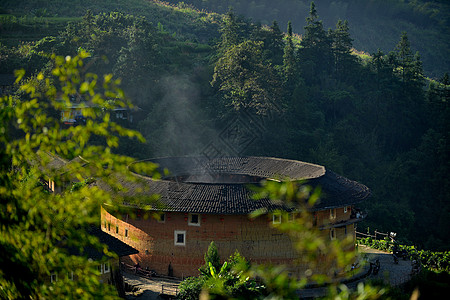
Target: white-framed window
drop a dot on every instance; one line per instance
(126, 232)
(345, 209)
(332, 233)
(180, 237)
(194, 220)
(106, 267)
(276, 218)
(53, 277)
(333, 213)
(100, 268)
(162, 218)
(70, 275)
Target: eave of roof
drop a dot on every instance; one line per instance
(216, 198)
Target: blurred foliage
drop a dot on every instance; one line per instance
(40, 230)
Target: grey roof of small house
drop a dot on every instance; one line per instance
(218, 198)
(114, 245)
(7, 79)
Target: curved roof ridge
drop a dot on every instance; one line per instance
(260, 166)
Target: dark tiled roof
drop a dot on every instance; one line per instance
(235, 198)
(264, 167)
(7, 79)
(114, 245)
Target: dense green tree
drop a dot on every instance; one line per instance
(315, 56)
(233, 31)
(244, 79)
(272, 38)
(344, 61)
(289, 63)
(407, 65)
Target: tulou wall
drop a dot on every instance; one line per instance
(176, 245)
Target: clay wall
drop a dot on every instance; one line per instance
(255, 239)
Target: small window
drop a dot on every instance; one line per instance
(117, 229)
(194, 219)
(276, 218)
(180, 238)
(70, 275)
(126, 232)
(106, 268)
(105, 224)
(53, 277)
(162, 218)
(100, 268)
(109, 227)
(333, 213)
(332, 234)
(345, 209)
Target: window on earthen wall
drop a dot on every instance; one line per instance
(276, 218)
(194, 219)
(106, 268)
(345, 209)
(180, 237)
(332, 233)
(126, 232)
(117, 229)
(333, 213)
(162, 218)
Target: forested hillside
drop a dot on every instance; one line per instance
(209, 83)
(374, 24)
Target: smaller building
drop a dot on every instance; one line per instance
(6, 83)
(76, 112)
(109, 269)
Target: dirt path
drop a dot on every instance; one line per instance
(393, 274)
(390, 273)
(151, 288)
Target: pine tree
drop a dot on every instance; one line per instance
(275, 44)
(342, 49)
(404, 58)
(315, 54)
(233, 31)
(289, 62)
